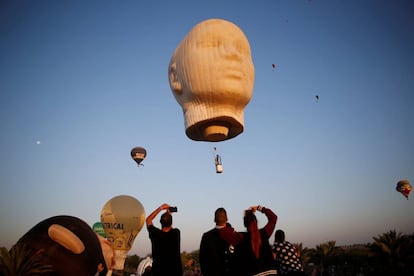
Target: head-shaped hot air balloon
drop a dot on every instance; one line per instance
(404, 187)
(211, 75)
(138, 154)
(122, 218)
(60, 245)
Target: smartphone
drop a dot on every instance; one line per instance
(172, 209)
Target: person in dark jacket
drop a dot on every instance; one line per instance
(255, 251)
(217, 257)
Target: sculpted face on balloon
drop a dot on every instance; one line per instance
(211, 75)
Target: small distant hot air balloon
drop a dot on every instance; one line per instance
(273, 67)
(317, 98)
(404, 187)
(138, 154)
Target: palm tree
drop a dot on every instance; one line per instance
(393, 251)
(324, 254)
(303, 252)
(22, 261)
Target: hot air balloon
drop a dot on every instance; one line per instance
(212, 89)
(98, 229)
(404, 187)
(138, 154)
(60, 245)
(273, 67)
(317, 98)
(122, 218)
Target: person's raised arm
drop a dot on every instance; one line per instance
(151, 217)
(271, 220)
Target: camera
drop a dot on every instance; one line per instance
(172, 209)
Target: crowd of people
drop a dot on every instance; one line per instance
(223, 250)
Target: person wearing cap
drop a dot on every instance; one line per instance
(217, 257)
(255, 250)
(165, 242)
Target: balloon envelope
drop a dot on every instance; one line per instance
(66, 243)
(404, 187)
(122, 218)
(138, 154)
(98, 229)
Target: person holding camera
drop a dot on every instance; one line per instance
(165, 243)
(255, 250)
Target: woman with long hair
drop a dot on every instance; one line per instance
(252, 246)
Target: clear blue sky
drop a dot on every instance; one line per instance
(88, 79)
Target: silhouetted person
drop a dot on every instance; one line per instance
(288, 261)
(217, 257)
(253, 245)
(165, 244)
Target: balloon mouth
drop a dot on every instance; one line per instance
(214, 130)
(216, 133)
